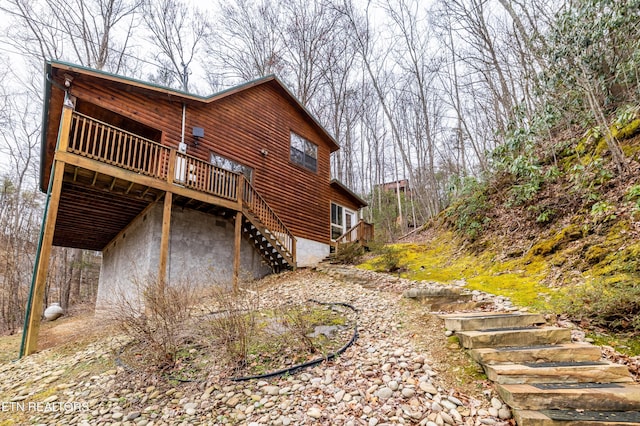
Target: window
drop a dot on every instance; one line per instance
(337, 227)
(304, 153)
(227, 164)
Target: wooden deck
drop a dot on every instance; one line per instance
(111, 176)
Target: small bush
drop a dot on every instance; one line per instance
(612, 306)
(633, 193)
(233, 324)
(603, 212)
(348, 254)
(158, 317)
(468, 212)
(296, 320)
(389, 261)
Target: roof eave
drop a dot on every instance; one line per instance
(43, 136)
(333, 144)
(355, 196)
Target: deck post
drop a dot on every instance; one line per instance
(171, 169)
(293, 252)
(41, 267)
(236, 251)
(240, 191)
(164, 239)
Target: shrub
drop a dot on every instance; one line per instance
(348, 254)
(603, 212)
(613, 306)
(233, 324)
(389, 261)
(157, 317)
(468, 213)
(295, 319)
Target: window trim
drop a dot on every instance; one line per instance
(304, 160)
(343, 219)
(244, 167)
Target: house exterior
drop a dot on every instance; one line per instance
(176, 186)
(401, 185)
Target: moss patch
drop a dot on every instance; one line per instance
(557, 241)
(441, 260)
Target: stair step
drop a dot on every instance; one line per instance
(549, 353)
(524, 336)
(576, 418)
(561, 396)
(565, 372)
(454, 306)
(465, 322)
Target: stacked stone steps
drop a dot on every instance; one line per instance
(554, 372)
(520, 336)
(601, 397)
(443, 299)
(576, 418)
(482, 320)
(545, 378)
(565, 352)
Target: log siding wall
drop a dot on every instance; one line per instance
(238, 127)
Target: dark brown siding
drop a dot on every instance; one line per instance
(343, 199)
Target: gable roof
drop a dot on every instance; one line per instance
(56, 70)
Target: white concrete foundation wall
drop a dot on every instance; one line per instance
(126, 262)
(201, 248)
(309, 252)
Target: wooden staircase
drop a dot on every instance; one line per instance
(545, 378)
(264, 229)
(272, 250)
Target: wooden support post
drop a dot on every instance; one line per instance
(171, 170)
(42, 268)
(236, 251)
(164, 239)
(240, 191)
(293, 252)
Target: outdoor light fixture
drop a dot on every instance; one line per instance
(68, 79)
(198, 133)
(264, 152)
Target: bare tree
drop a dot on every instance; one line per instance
(177, 31)
(20, 205)
(94, 33)
(247, 43)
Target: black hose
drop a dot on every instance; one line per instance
(289, 370)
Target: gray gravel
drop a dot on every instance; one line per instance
(381, 380)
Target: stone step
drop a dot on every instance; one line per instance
(453, 306)
(437, 292)
(576, 418)
(577, 352)
(578, 396)
(525, 336)
(464, 322)
(566, 372)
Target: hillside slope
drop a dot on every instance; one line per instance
(555, 229)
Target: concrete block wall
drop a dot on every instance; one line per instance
(201, 250)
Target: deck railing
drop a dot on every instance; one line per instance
(196, 174)
(254, 202)
(103, 142)
(100, 141)
(361, 232)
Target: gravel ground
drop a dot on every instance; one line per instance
(401, 370)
